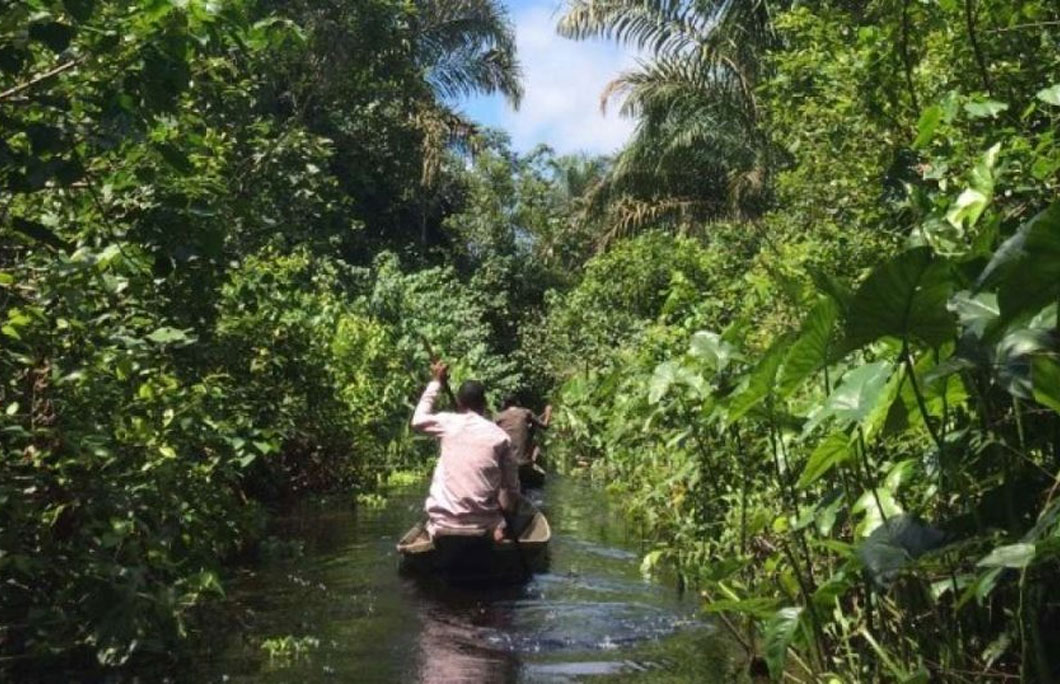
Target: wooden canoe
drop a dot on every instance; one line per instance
(531, 476)
(473, 556)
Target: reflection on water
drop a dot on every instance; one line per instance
(590, 617)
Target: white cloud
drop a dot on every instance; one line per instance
(563, 80)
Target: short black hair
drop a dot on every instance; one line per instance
(472, 395)
(509, 401)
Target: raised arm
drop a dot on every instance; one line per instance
(542, 422)
(424, 419)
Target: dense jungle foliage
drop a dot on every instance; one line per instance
(835, 402)
(805, 322)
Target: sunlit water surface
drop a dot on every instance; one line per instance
(352, 617)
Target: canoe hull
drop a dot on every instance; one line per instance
(476, 558)
(531, 476)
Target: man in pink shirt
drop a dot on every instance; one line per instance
(476, 478)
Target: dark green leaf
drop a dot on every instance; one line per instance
(780, 631)
(80, 9)
(759, 383)
(810, 352)
(905, 298)
(1026, 268)
(54, 34)
(1046, 374)
(832, 451)
(39, 232)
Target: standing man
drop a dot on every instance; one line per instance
(520, 424)
(476, 479)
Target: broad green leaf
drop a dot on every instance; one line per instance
(877, 504)
(880, 415)
(668, 374)
(1025, 269)
(1011, 556)
(904, 298)
(974, 200)
(811, 350)
(1045, 372)
(926, 126)
(857, 395)
(1050, 95)
(975, 312)
(1012, 357)
(712, 348)
(759, 384)
(780, 631)
(984, 109)
(832, 451)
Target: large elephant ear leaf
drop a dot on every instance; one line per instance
(906, 298)
(780, 630)
(856, 397)
(1025, 269)
(811, 351)
(759, 384)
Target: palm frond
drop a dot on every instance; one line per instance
(467, 47)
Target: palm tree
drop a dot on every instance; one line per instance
(698, 151)
(464, 47)
(467, 47)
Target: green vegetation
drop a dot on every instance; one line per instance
(806, 322)
(845, 432)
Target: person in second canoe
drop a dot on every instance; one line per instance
(521, 426)
(476, 478)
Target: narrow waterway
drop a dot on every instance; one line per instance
(333, 607)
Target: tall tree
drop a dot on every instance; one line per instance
(698, 151)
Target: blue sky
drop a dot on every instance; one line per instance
(563, 80)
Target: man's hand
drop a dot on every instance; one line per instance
(440, 371)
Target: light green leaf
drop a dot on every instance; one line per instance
(1050, 95)
(168, 336)
(1010, 556)
(666, 375)
(713, 349)
(976, 312)
(984, 109)
(858, 394)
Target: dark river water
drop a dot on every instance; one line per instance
(339, 610)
